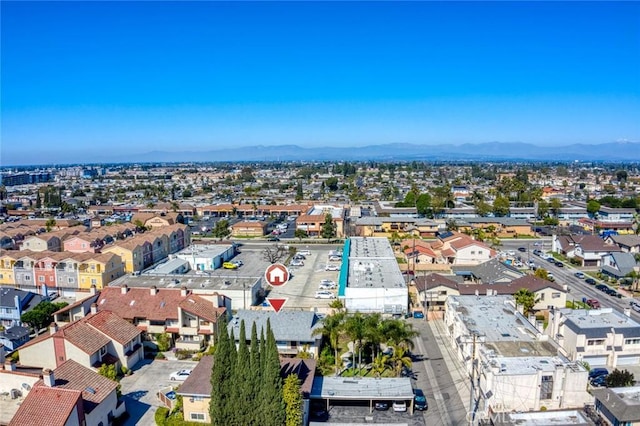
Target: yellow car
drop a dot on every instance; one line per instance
(229, 265)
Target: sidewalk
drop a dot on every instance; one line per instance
(460, 377)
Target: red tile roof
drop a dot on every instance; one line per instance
(201, 307)
(45, 406)
(140, 303)
(83, 336)
(118, 329)
(94, 387)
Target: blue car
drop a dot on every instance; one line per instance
(419, 400)
(418, 314)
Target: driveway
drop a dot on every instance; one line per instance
(139, 389)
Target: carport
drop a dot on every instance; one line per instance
(362, 389)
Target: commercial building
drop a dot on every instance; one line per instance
(370, 279)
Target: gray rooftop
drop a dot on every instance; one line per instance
(599, 322)
(296, 326)
(503, 330)
(543, 418)
(505, 221)
(169, 266)
(372, 263)
(524, 365)
(491, 271)
(191, 281)
(203, 250)
(352, 388)
(623, 403)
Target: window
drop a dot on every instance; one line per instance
(541, 296)
(94, 281)
(473, 252)
(546, 387)
(595, 342)
(196, 416)
(71, 280)
(442, 293)
(27, 277)
(555, 295)
(479, 251)
(197, 398)
(41, 278)
(632, 341)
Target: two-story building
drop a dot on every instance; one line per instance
(600, 337)
(294, 331)
(69, 395)
(99, 338)
(14, 303)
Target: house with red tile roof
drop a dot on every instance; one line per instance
(70, 395)
(190, 318)
(99, 338)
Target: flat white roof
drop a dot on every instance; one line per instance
(366, 388)
(542, 418)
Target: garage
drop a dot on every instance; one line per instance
(628, 360)
(595, 361)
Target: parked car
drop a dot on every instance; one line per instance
(635, 305)
(238, 263)
(593, 303)
(522, 249)
(559, 264)
(332, 267)
(590, 281)
(273, 239)
(299, 256)
(601, 287)
(381, 405)
(550, 277)
(419, 400)
(418, 314)
(229, 265)
(304, 252)
(296, 263)
(180, 375)
(599, 381)
(597, 372)
(399, 406)
(325, 295)
(327, 285)
(579, 275)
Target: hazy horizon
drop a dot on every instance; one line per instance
(91, 79)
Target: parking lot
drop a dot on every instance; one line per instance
(350, 413)
(139, 389)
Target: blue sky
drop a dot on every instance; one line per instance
(84, 77)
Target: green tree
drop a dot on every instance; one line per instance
(593, 207)
(555, 205)
(356, 328)
(482, 208)
(255, 373)
(543, 208)
(299, 192)
(619, 379)
(541, 273)
(109, 371)
(242, 391)
(328, 230)
(300, 234)
(221, 379)
(331, 183)
(273, 410)
(163, 341)
(423, 204)
(526, 299)
(50, 224)
(221, 229)
(292, 400)
(501, 206)
(332, 329)
(41, 315)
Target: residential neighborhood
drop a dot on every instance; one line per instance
(523, 275)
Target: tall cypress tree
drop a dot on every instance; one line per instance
(228, 407)
(242, 391)
(220, 377)
(273, 409)
(254, 376)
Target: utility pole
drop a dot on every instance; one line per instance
(472, 410)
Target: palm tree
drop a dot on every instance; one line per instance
(379, 364)
(400, 358)
(356, 328)
(373, 332)
(332, 330)
(399, 333)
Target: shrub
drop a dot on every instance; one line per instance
(183, 353)
(160, 355)
(161, 415)
(163, 341)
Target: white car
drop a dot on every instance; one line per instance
(335, 258)
(399, 406)
(327, 285)
(305, 252)
(332, 267)
(296, 263)
(238, 263)
(325, 295)
(180, 375)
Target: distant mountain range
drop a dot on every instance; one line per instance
(490, 151)
(496, 151)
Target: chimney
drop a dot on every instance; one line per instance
(53, 328)
(153, 290)
(92, 289)
(489, 292)
(47, 376)
(183, 291)
(10, 365)
(94, 308)
(124, 289)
